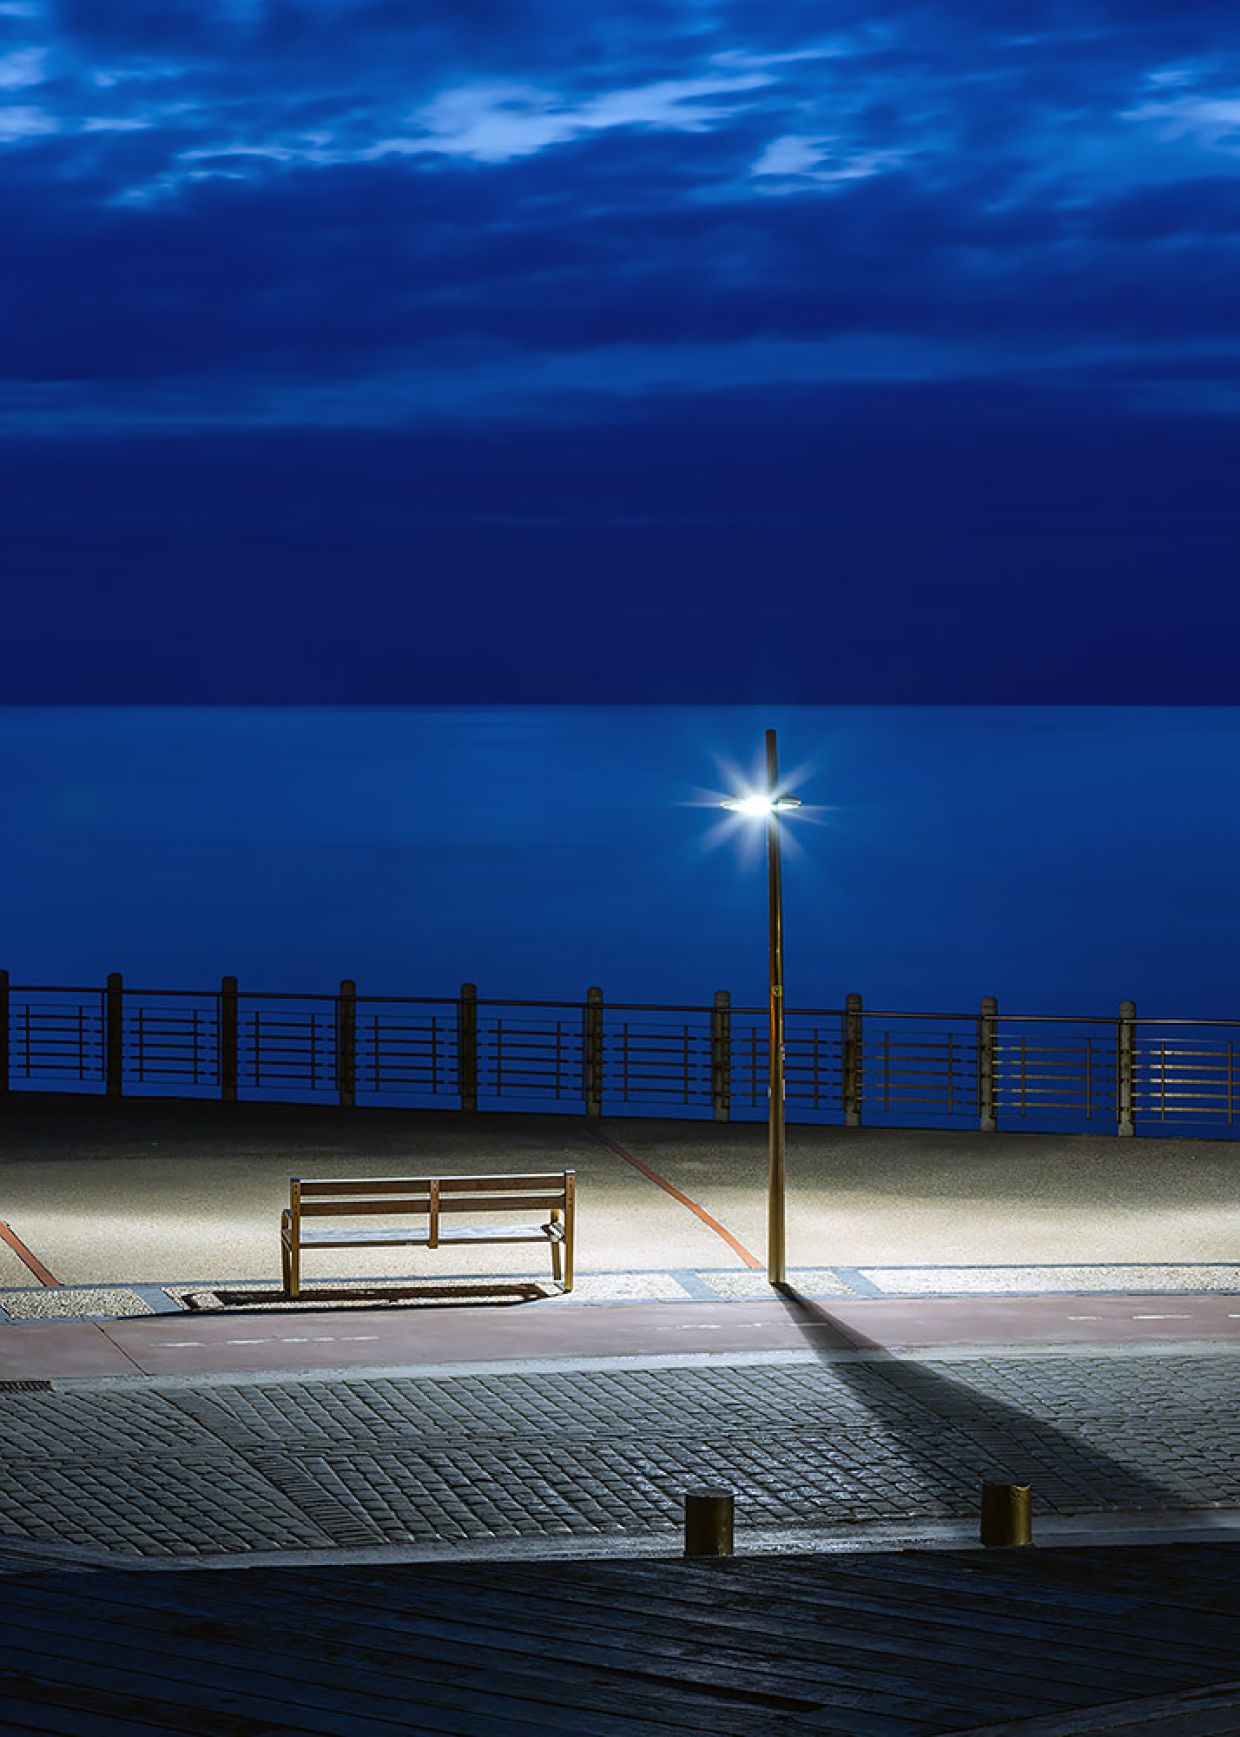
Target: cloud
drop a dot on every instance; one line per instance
(1212, 122)
(22, 121)
(794, 159)
(482, 209)
(22, 66)
(493, 124)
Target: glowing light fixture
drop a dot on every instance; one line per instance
(758, 804)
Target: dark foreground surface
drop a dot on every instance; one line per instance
(877, 1645)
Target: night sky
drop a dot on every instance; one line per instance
(715, 350)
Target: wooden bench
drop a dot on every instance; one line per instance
(429, 1197)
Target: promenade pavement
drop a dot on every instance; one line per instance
(858, 1400)
(165, 1192)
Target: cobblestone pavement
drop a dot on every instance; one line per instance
(605, 1448)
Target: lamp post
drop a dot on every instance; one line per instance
(768, 805)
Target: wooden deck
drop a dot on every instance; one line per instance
(874, 1645)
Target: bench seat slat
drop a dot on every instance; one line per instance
(455, 1203)
(541, 1180)
(379, 1236)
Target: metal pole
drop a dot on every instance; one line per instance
(228, 1039)
(114, 1036)
(593, 1051)
(775, 1182)
(346, 1043)
(467, 1046)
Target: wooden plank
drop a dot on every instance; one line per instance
(679, 1673)
(21, 1718)
(755, 1622)
(295, 1626)
(973, 1607)
(738, 1648)
(1191, 1577)
(1213, 1712)
(828, 1596)
(520, 1642)
(394, 1236)
(317, 1713)
(519, 1181)
(675, 1660)
(88, 1709)
(454, 1203)
(310, 1682)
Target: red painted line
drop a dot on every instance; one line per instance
(7, 1234)
(737, 1248)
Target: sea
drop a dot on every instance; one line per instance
(1058, 858)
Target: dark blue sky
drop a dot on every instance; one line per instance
(402, 352)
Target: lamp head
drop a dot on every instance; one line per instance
(760, 804)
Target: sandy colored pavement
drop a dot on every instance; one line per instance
(879, 1197)
(164, 1192)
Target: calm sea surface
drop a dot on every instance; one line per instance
(1058, 858)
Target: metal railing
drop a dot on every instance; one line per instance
(849, 1064)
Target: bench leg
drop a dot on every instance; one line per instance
(284, 1265)
(555, 1249)
(294, 1272)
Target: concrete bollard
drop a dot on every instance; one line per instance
(708, 1523)
(1006, 1515)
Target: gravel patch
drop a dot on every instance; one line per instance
(72, 1302)
(988, 1281)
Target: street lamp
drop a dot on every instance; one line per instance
(768, 805)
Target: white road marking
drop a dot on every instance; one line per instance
(245, 1341)
(178, 1343)
(357, 1336)
(1162, 1317)
(1084, 1317)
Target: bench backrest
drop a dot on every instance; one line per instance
(540, 1191)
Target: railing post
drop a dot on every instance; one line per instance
(1125, 1066)
(986, 1046)
(721, 1055)
(114, 1035)
(346, 1043)
(592, 1052)
(228, 1039)
(852, 1061)
(467, 1046)
(4, 1034)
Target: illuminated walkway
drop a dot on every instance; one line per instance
(101, 1193)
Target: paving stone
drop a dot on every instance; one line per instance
(808, 1281)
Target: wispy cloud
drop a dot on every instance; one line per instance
(800, 160)
(23, 66)
(22, 121)
(495, 123)
(1210, 121)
